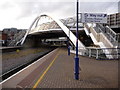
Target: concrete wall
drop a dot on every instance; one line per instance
(106, 42)
(95, 34)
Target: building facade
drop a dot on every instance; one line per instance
(114, 20)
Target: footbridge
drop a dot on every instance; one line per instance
(45, 23)
(102, 39)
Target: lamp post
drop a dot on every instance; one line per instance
(69, 43)
(76, 72)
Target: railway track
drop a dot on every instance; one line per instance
(20, 67)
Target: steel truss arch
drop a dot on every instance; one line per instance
(69, 34)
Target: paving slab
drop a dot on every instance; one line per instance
(94, 73)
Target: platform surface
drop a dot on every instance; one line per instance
(58, 72)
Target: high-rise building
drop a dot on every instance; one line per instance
(114, 20)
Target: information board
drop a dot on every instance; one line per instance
(93, 18)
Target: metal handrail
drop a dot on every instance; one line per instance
(109, 33)
(99, 53)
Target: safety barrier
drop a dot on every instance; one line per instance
(100, 53)
(103, 53)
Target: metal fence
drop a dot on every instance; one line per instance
(101, 53)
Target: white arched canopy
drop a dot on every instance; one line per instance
(71, 36)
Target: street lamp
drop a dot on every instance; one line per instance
(76, 72)
(69, 43)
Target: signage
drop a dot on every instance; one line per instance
(93, 18)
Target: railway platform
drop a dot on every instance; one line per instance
(9, 49)
(56, 70)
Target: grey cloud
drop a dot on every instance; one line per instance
(96, 6)
(7, 5)
(29, 8)
(36, 7)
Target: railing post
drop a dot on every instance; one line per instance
(97, 54)
(89, 52)
(117, 53)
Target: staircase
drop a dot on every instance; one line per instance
(106, 38)
(112, 36)
(17, 38)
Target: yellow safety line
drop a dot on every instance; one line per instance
(41, 77)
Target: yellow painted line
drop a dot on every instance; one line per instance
(41, 77)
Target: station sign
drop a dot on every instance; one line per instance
(93, 18)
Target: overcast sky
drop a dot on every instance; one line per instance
(21, 13)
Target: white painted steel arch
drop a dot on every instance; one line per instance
(63, 27)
